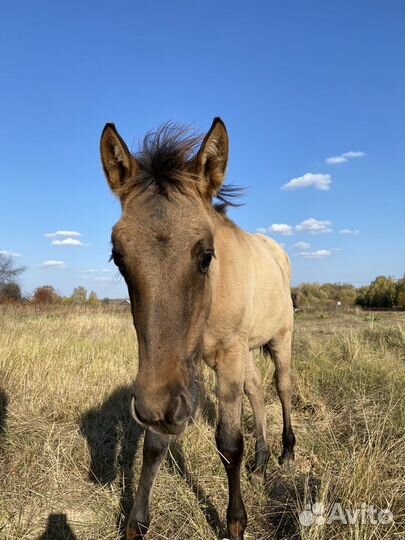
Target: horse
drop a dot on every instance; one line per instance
(201, 289)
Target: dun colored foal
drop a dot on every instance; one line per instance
(201, 289)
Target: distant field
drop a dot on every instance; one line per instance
(70, 454)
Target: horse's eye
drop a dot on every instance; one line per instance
(117, 258)
(206, 261)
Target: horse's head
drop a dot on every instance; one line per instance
(164, 247)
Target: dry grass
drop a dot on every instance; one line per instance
(69, 453)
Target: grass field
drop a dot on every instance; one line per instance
(70, 454)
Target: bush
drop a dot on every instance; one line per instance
(383, 292)
(10, 292)
(79, 295)
(326, 294)
(93, 299)
(45, 295)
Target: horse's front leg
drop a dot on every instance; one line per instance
(154, 450)
(230, 376)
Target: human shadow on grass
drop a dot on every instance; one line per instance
(287, 493)
(57, 528)
(113, 439)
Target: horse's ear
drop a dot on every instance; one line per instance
(118, 163)
(212, 158)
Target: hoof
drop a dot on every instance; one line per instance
(136, 531)
(257, 478)
(236, 529)
(286, 460)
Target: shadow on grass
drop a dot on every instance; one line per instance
(177, 464)
(113, 439)
(3, 419)
(287, 494)
(57, 528)
(3, 410)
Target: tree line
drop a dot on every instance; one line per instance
(383, 292)
(10, 289)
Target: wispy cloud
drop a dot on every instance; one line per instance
(343, 158)
(53, 264)
(103, 278)
(261, 230)
(319, 181)
(63, 234)
(318, 254)
(281, 228)
(95, 271)
(67, 242)
(350, 155)
(314, 226)
(349, 231)
(9, 253)
(302, 246)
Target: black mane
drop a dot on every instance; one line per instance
(165, 160)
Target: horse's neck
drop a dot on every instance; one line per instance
(231, 250)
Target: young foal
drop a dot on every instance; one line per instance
(200, 288)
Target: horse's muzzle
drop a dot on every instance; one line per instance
(172, 421)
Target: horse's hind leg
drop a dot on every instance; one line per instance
(254, 390)
(280, 349)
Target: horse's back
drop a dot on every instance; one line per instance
(272, 310)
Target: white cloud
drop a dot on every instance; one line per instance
(319, 254)
(53, 264)
(63, 234)
(350, 155)
(103, 278)
(9, 253)
(302, 245)
(67, 242)
(261, 230)
(314, 226)
(281, 228)
(349, 231)
(336, 160)
(318, 181)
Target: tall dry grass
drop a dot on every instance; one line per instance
(70, 454)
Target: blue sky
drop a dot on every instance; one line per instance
(296, 83)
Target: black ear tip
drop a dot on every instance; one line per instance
(107, 127)
(217, 120)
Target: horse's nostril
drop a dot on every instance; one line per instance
(141, 413)
(179, 411)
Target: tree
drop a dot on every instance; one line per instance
(45, 295)
(10, 292)
(79, 295)
(9, 272)
(384, 292)
(93, 298)
(400, 296)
